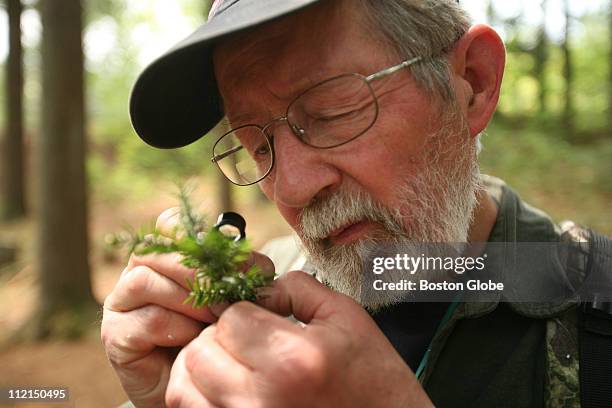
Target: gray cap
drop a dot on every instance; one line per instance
(175, 100)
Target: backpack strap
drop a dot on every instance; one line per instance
(595, 325)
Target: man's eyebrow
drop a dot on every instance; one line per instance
(240, 119)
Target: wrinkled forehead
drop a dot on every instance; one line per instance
(305, 30)
(292, 52)
(275, 39)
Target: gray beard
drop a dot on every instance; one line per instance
(437, 207)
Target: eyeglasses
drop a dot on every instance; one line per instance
(326, 115)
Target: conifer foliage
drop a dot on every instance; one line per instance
(220, 262)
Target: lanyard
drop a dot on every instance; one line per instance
(449, 312)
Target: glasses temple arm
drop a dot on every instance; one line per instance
(223, 155)
(393, 69)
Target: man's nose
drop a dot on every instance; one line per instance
(301, 173)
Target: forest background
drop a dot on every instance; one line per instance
(73, 171)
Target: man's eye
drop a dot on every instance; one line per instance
(337, 116)
(263, 150)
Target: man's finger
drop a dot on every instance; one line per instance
(168, 221)
(168, 265)
(132, 336)
(145, 380)
(272, 346)
(248, 332)
(264, 263)
(299, 294)
(142, 286)
(181, 392)
(221, 378)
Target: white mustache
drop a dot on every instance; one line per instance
(342, 209)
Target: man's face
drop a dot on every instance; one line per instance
(411, 177)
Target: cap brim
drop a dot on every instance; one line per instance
(175, 100)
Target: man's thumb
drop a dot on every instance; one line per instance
(301, 295)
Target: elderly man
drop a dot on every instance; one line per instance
(360, 120)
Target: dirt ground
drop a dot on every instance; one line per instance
(82, 365)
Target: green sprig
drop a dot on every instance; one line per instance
(221, 273)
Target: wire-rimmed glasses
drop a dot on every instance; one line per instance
(326, 115)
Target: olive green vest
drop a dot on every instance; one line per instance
(495, 354)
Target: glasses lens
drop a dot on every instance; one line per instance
(244, 155)
(333, 112)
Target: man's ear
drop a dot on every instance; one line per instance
(478, 61)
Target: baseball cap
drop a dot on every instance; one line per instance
(175, 100)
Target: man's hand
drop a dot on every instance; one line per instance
(145, 320)
(253, 357)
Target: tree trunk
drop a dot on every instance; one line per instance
(12, 203)
(224, 191)
(491, 15)
(541, 58)
(226, 198)
(568, 75)
(224, 187)
(66, 300)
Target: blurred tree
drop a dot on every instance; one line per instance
(66, 300)
(12, 205)
(491, 15)
(568, 74)
(101, 8)
(226, 198)
(224, 187)
(541, 58)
